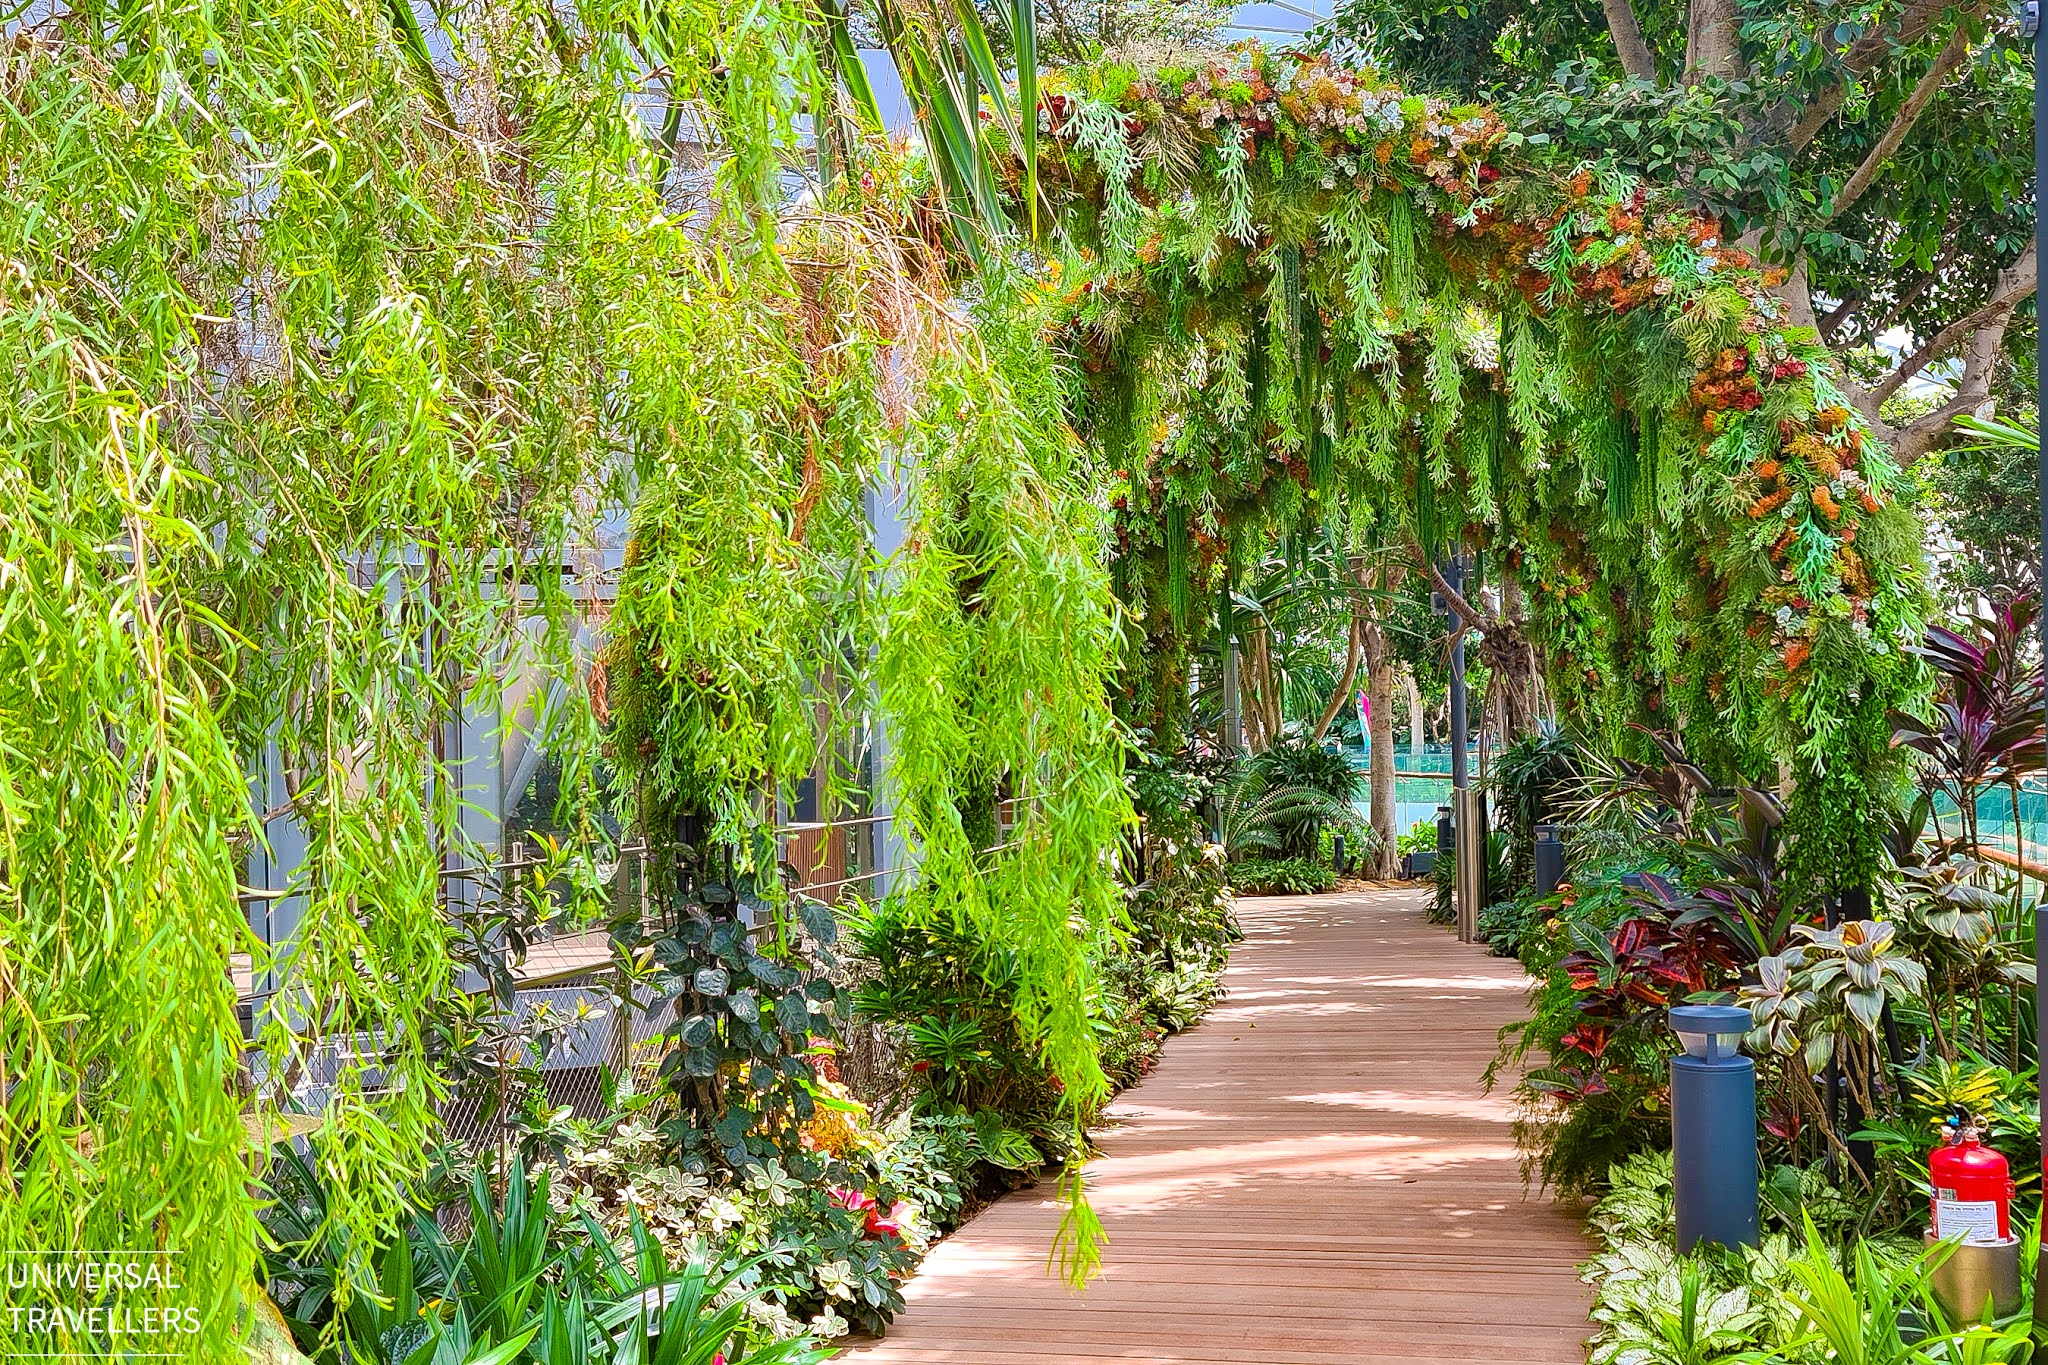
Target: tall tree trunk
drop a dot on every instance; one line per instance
(1380, 688)
(1418, 724)
(1255, 690)
(1369, 605)
(1713, 40)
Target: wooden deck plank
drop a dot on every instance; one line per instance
(1312, 1176)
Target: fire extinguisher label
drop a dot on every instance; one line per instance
(1976, 1222)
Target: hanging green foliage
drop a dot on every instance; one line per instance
(1654, 454)
(981, 650)
(325, 345)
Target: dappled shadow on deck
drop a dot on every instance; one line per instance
(1313, 1175)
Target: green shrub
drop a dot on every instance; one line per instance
(1282, 877)
(536, 1268)
(1443, 877)
(950, 996)
(1532, 779)
(1306, 767)
(1503, 924)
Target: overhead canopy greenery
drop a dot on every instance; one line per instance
(1312, 290)
(1878, 148)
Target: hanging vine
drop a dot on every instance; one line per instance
(325, 351)
(1708, 535)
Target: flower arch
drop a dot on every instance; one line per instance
(1303, 289)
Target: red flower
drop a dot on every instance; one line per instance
(889, 1224)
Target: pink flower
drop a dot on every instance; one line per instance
(853, 1201)
(889, 1226)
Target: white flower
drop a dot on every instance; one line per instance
(829, 1324)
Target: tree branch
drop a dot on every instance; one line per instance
(1973, 390)
(1628, 40)
(1859, 59)
(1831, 326)
(1922, 282)
(2015, 283)
(1464, 610)
(1832, 322)
(1343, 688)
(1950, 57)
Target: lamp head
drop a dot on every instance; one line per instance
(1710, 1032)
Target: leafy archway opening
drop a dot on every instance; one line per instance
(1309, 295)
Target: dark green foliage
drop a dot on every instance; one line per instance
(1596, 1091)
(1281, 876)
(744, 1008)
(1310, 767)
(948, 996)
(1181, 912)
(951, 995)
(1505, 924)
(1532, 779)
(1835, 822)
(1987, 494)
(1443, 878)
(1296, 763)
(515, 1278)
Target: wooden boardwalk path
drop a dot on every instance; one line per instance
(1312, 1176)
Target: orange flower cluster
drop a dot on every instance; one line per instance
(1725, 385)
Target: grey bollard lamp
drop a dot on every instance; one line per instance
(1446, 832)
(1713, 1128)
(1549, 859)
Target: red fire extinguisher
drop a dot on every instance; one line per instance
(1973, 1187)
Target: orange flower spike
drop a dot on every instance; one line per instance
(1825, 504)
(1796, 653)
(1769, 503)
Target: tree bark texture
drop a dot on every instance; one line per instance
(1380, 688)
